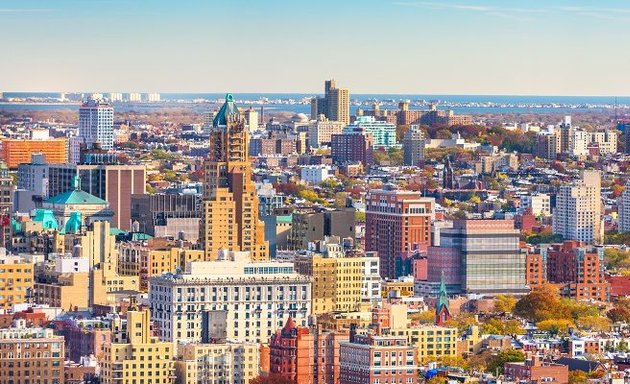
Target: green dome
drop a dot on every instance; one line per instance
(74, 223)
(228, 108)
(47, 218)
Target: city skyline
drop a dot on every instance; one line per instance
(420, 47)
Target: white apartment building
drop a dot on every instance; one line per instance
(606, 140)
(315, 174)
(578, 214)
(580, 143)
(232, 296)
(623, 206)
(96, 123)
(540, 204)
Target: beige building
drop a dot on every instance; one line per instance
(341, 283)
(134, 355)
(320, 131)
(227, 363)
(16, 280)
(144, 260)
(230, 204)
(63, 281)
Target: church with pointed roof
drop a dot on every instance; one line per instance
(442, 310)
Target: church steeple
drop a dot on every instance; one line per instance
(442, 311)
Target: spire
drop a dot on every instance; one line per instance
(442, 311)
(228, 108)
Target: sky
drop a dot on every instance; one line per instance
(494, 47)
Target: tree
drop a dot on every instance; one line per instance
(424, 317)
(578, 377)
(593, 323)
(271, 379)
(542, 303)
(616, 258)
(506, 356)
(555, 326)
(496, 326)
(504, 303)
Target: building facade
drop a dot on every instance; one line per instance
(230, 205)
(96, 123)
(31, 355)
(247, 301)
(397, 223)
(135, 355)
(578, 212)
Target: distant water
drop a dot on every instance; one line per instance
(295, 102)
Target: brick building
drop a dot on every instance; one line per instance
(580, 269)
(397, 223)
(31, 355)
(367, 359)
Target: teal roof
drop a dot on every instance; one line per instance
(284, 219)
(74, 223)
(47, 218)
(139, 236)
(228, 108)
(76, 197)
(442, 296)
(115, 231)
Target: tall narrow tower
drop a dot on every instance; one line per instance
(230, 204)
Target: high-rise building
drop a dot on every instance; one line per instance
(230, 205)
(338, 102)
(135, 354)
(547, 145)
(96, 123)
(491, 260)
(309, 226)
(335, 104)
(623, 208)
(413, 146)
(251, 117)
(6, 205)
(134, 97)
(383, 133)
(397, 223)
(577, 215)
(31, 355)
(232, 296)
(565, 135)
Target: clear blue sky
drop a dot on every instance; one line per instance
(548, 47)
